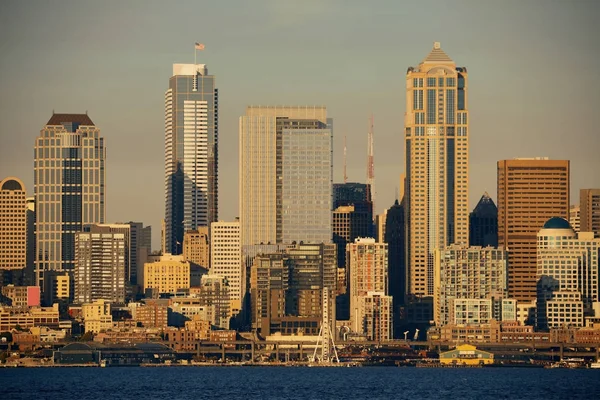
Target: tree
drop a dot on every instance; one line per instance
(87, 337)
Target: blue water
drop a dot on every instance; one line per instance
(297, 383)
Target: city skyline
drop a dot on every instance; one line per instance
(365, 74)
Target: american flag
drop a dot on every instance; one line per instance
(199, 46)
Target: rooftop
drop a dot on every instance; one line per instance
(59, 119)
(437, 55)
(557, 223)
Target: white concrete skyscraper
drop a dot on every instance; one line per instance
(285, 175)
(191, 155)
(69, 187)
(437, 164)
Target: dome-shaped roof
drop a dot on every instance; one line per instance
(557, 223)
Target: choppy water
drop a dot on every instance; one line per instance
(297, 383)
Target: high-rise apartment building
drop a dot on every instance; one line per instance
(196, 246)
(191, 152)
(100, 265)
(530, 191)
(285, 175)
(437, 163)
(13, 225)
(483, 223)
(589, 202)
(567, 275)
(226, 260)
(473, 273)
(69, 187)
(367, 276)
(137, 244)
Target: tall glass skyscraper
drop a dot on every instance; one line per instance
(191, 152)
(286, 172)
(69, 188)
(437, 158)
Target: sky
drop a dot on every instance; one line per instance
(534, 87)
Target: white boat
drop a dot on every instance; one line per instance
(595, 365)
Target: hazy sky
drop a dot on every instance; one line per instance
(534, 86)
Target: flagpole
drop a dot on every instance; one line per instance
(195, 52)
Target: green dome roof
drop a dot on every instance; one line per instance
(557, 223)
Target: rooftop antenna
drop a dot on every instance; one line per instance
(345, 162)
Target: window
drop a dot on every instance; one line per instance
(431, 82)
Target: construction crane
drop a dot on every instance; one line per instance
(345, 162)
(370, 165)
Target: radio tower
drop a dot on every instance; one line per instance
(345, 174)
(371, 167)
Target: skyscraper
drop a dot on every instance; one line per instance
(530, 191)
(437, 157)
(285, 174)
(589, 202)
(13, 223)
(69, 188)
(191, 152)
(483, 223)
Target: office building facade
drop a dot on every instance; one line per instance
(567, 275)
(13, 225)
(277, 202)
(69, 188)
(191, 153)
(196, 246)
(437, 163)
(530, 191)
(589, 202)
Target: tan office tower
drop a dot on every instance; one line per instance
(437, 159)
(285, 179)
(196, 247)
(13, 223)
(589, 203)
(530, 191)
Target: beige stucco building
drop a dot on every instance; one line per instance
(437, 163)
(166, 274)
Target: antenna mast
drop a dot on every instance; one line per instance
(345, 162)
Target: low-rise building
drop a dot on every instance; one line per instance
(466, 355)
(483, 333)
(151, 314)
(28, 317)
(96, 316)
(166, 274)
(22, 296)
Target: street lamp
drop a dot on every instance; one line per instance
(405, 335)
